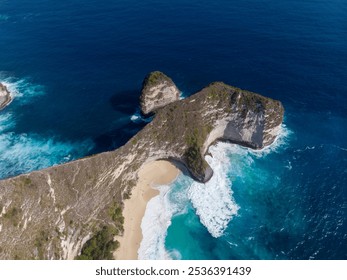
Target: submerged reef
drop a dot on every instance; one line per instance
(52, 213)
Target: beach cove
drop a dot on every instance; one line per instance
(152, 174)
(76, 94)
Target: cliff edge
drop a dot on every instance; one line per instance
(158, 90)
(5, 96)
(51, 213)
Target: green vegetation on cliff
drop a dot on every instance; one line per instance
(153, 77)
(100, 246)
(40, 242)
(117, 217)
(13, 216)
(193, 154)
(47, 209)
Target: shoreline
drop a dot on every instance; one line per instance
(5, 96)
(6, 103)
(150, 175)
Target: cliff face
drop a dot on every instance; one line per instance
(5, 96)
(158, 90)
(51, 213)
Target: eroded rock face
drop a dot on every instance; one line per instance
(5, 96)
(217, 112)
(51, 213)
(158, 90)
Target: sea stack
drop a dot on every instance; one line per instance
(158, 90)
(5, 96)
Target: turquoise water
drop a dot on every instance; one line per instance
(266, 204)
(76, 68)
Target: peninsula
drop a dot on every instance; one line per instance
(5, 96)
(61, 212)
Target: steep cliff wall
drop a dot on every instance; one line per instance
(158, 90)
(51, 213)
(5, 96)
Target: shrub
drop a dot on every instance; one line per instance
(100, 246)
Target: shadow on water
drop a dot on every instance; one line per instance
(126, 101)
(116, 138)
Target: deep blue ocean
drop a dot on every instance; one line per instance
(76, 68)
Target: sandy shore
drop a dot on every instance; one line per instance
(150, 175)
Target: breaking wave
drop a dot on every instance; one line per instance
(280, 143)
(137, 117)
(22, 153)
(154, 226)
(22, 90)
(25, 152)
(213, 202)
(172, 200)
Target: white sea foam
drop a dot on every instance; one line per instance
(172, 200)
(22, 90)
(26, 152)
(154, 227)
(6, 122)
(20, 153)
(213, 201)
(137, 117)
(183, 95)
(280, 142)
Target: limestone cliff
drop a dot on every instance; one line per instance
(158, 90)
(5, 96)
(49, 214)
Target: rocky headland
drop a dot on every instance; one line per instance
(5, 96)
(52, 213)
(158, 90)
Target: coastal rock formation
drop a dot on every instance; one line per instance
(158, 90)
(5, 96)
(51, 213)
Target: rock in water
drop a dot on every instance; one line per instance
(158, 90)
(5, 97)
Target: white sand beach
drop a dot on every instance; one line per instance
(150, 175)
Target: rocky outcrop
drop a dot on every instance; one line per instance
(158, 90)
(217, 112)
(5, 96)
(52, 212)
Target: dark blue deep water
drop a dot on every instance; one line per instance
(76, 68)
